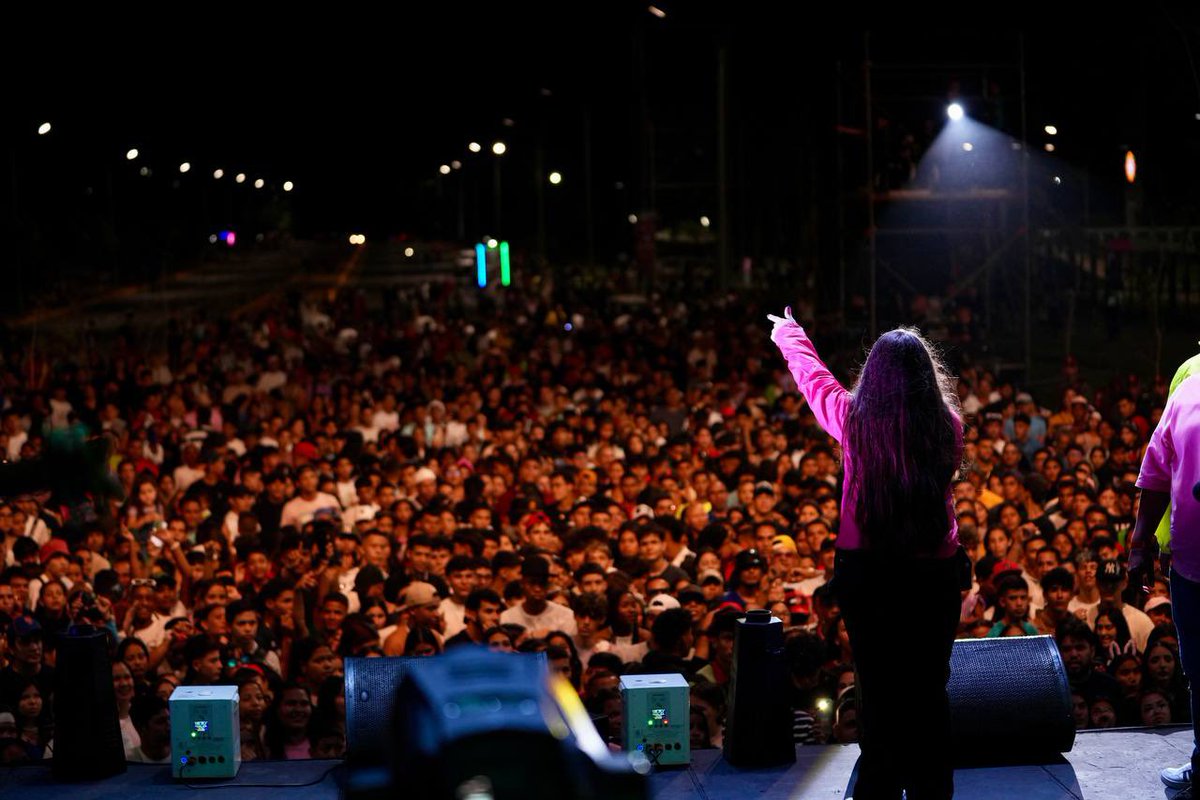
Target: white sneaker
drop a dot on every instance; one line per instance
(1177, 777)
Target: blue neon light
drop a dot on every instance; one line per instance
(481, 265)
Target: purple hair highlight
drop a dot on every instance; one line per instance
(903, 434)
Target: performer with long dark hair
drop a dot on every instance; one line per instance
(900, 429)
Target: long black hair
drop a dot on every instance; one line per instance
(904, 434)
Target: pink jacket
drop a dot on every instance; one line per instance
(830, 403)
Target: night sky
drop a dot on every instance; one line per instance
(360, 110)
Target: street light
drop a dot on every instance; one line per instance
(556, 178)
(131, 154)
(43, 129)
(499, 148)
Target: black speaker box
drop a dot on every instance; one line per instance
(87, 732)
(758, 728)
(371, 685)
(1009, 699)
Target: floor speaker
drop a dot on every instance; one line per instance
(1009, 699)
(371, 685)
(87, 732)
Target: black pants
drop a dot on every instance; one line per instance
(1185, 602)
(902, 616)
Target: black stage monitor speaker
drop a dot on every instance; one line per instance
(87, 732)
(1009, 699)
(371, 685)
(758, 731)
(474, 723)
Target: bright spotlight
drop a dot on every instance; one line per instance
(658, 12)
(556, 178)
(474, 147)
(408, 252)
(185, 167)
(1051, 130)
(43, 129)
(492, 244)
(131, 154)
(260, 183)
(499, 148)
(1057, 181)
(240, 177)
(705, 222)
(633, 219)
(288, 186)
(968, 147)
(444, 169)
(218, 174)
(954, 111)
(1049, 147)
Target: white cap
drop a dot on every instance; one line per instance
(424, 474)
(661, 602)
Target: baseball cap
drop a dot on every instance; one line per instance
(711, 576)
(52, 548)
(764, 487)
(1155, 602)
(1005, 565)
(1024, 397)
(24, 626)
(361, 514)
(305, 450)
(661, 602)
(418, 594)
(424, 474)
(784, 542)
(748, 559)
(691, 594)
(1110, 571)
(641, 511)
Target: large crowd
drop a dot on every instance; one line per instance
(613, 486)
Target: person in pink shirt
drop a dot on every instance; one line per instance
(901, 434)
(1170, 474)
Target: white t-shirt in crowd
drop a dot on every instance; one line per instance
(299, 511)
(554, 617)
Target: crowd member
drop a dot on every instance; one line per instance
(456, 469)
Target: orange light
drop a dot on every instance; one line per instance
(1130, 166)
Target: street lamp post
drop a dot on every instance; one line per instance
(498, 150)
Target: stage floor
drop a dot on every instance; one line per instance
(1104, 765)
